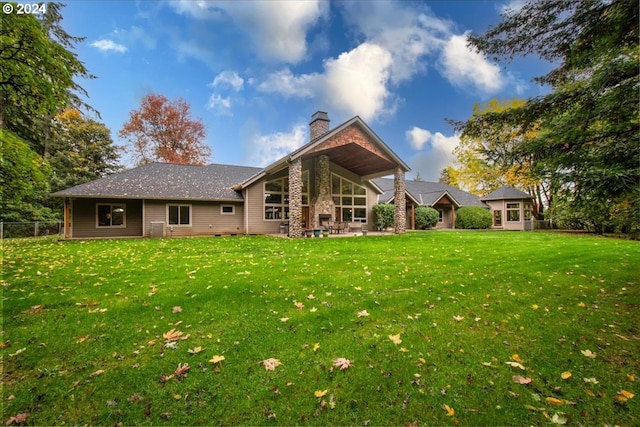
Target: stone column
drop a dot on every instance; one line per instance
(400, 214)
(295, 198)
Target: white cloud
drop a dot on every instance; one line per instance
(435, 152)
(466, 68)
(354, 83)
(266, 149)
(277, 29)
(285, 83)
(228, 79)
(219, 104)
(511, 7)
(106, 45)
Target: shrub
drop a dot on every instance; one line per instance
(426, 217)
(384, 214)
(473, 217)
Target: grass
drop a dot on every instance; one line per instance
(83, 326)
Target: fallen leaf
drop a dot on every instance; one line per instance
(195, 350)
(521, 380)
(363, 313)
(565, 375)
(18, 419)
(516, 358)
(554, 401)
(298, 305)
(320, 393)
(172, 335)
(558, 419)
(342, 363)
(590, 393)
(591, 380)
(182, 369)
(176, 309)
(581, 304)
(82, 339)
(535, 306)
(403, 349)
(449, 409)
(284, 319)
(96, 373)
(516, 365)
(623, 396)
(21, 350)
(395, 339)
(216, 359)
(631, 377)
(458, 318)
(271, 364)
(311, 296)
(588, 353)
(316, 346)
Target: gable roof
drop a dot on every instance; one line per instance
(507, 193)
(428, 193)
(167, 181)
(338, 153)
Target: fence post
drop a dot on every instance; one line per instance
(35, 229)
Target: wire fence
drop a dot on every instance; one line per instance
(30, 229)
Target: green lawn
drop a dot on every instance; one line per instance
(445, 328)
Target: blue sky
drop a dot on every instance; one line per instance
(255, 71)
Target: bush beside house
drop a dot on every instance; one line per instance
(473, 217)
(384, 214)
(426, 217)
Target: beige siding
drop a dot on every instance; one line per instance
(84, 221)
(501, 205)
(206, 218)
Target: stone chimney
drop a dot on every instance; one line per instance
(319, 125)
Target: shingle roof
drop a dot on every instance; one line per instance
(167, 181)
(428, 193)
(507, 193)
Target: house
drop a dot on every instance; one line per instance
(329, 178)
(511, 208)
(442, 197)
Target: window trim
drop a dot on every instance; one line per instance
(440, 215)
(179, 205)
(353, 195)
(112, 206)
(233, 209)
(513, 209)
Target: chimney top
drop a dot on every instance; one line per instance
(319, 124)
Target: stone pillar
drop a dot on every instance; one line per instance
(295, 198)
(400, 214)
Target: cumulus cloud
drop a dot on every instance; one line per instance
(106, 45)
(266, 149)
(219, 104)
(228, 79)
(435, 152)
(466, 68)
(277, 29)
(354, 83)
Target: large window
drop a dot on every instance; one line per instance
(276, 197)
(513, 212)
(110, 215)
(179, 214)
(527, 211)
(350, 199)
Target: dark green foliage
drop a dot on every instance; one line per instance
(384, 214)
(24, 180)
(426, 217)
(473, 217)
(588, 126)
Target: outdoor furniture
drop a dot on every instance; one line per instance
(337, 227)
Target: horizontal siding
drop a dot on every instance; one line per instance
(84, 219)
(206, 218)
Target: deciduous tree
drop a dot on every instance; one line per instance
(163, 130)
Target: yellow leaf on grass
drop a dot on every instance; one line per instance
(588, 353)
(565, 375)
(316, 346)
(449, 409)
(320, 393)
(554, 400)
(395, 339)
(535, 306)
(631, 377)
(581, 304)
(216, 359)
(624, 395)
(516, 358)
